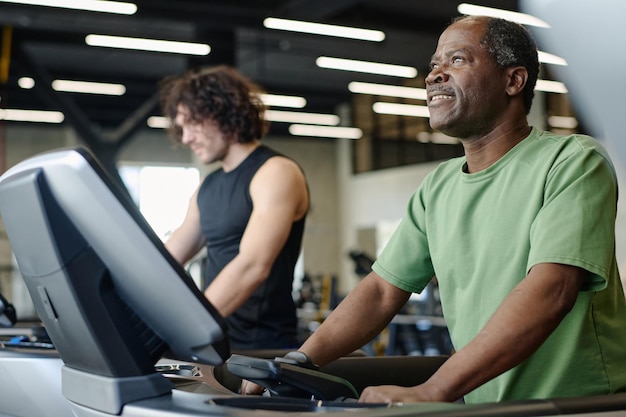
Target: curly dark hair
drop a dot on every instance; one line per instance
(511, 45)
(220, 94)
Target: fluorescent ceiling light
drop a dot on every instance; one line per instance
(158, 122)
(31, 116)
(88, 87)
(326, 131)
(90, 5)
(387, 90)
(436, 137)
(283, 101)
(400, 109)
(270, 115)
(551, 86)
(155, 45)
(298, 117)
(564, 122)
(26, 83)
(521, 18)
(324, 29)
(365, 66)
(422, 111)
(547, 58)
(77, 86)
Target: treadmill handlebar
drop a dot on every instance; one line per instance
(293, 375)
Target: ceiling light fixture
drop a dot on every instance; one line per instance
(547, 58)
(414, 110)
(77, 86)
(437, 137)
(564, 122)
(26, 83)
(89, 5)
(551, 86)
(398, 109)
(365, 66)
(155, 45)
(521, 18)
(302, 118)
(337, 132)
(278, 100)
(89, 87)
(38, 116)
(158, 122)
(324, 29)
(387, 90)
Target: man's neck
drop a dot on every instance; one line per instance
(237, 153)
(483, 151)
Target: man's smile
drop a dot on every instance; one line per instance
(440, 97)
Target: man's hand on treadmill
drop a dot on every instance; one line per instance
(295, 357)
(250, 388)
(390, 394)
(393, 394)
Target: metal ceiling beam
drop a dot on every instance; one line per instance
(65, 21)
(104, 149)
(134, 122)
(315, 9)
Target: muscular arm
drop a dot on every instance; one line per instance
(279, 197)
(366, 311)
(523, 321)
(186, 240)
(361, 316)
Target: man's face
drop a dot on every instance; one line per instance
(466, 89)
(205, 138)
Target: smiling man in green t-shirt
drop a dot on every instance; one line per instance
(519, 233)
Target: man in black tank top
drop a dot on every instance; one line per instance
(249, 213)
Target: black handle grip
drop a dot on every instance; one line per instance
(291, 376)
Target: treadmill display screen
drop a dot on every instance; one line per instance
(101, 280)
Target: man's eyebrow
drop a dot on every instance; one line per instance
(449, 53)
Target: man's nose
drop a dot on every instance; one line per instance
(186, 136)
(436, 76)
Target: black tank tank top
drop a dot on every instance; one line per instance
(267, 320)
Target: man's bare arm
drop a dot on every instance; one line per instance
(186, 240)
(280, 197)
(523, 321)
(363, 314)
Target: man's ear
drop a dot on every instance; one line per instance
(518, 76)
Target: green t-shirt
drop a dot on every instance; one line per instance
(549, 199)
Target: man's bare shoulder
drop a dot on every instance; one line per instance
(281, 179)
(281, 166)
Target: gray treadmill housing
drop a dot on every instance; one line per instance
(110, 295)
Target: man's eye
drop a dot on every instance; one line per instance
(457, 59)
(433, 66)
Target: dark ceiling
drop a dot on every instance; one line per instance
(49, 43)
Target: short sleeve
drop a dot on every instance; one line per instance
(576, 224)
(405, 261)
